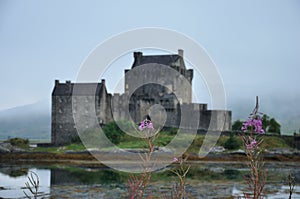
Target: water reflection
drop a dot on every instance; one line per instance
(13, 178)
(206, 180)
(14, 171)
(80, 176)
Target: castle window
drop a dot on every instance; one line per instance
(169, 110)
(131, 107)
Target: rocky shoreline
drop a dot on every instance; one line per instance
(86, 158)
(15, 155)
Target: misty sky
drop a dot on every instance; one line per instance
(255, 44)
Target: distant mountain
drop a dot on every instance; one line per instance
(31, 121)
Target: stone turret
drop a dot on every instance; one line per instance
(137, 57)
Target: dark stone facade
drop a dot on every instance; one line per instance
(64, 100)
(159, 81)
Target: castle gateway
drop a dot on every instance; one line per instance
(159, 86)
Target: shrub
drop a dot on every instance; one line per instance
(237, 125)
(171, 130)
(113, 131)
(232, 142)
(19, 142)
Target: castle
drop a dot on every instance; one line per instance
(159, 81)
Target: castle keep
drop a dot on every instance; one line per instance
(155, 84)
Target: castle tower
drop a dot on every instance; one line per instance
(81, 99)
(174, 61)
(172, 91)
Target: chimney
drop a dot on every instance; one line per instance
(180, 52)
(103, 86)
(103, 82)
(56, 83)
(137, 57)
(69, 88)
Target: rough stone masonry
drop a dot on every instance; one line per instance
(159, 81)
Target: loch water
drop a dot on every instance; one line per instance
(204, 180)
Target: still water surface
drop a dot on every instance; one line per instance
(205, 180)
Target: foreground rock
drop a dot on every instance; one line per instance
(8, 148)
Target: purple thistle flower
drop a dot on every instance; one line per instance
(175, 159)
(141, 128)
(150, 125)
(256, 122)
(252, 144)
(247, 124)
(146, 124)
(249, 146)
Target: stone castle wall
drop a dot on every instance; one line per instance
(90, 106)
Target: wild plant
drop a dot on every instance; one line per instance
(138, 184)
(32, 185)
(252, 138)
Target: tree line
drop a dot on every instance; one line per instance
(270, 125)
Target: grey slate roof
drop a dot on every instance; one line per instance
(84, 89)
(159, 59)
